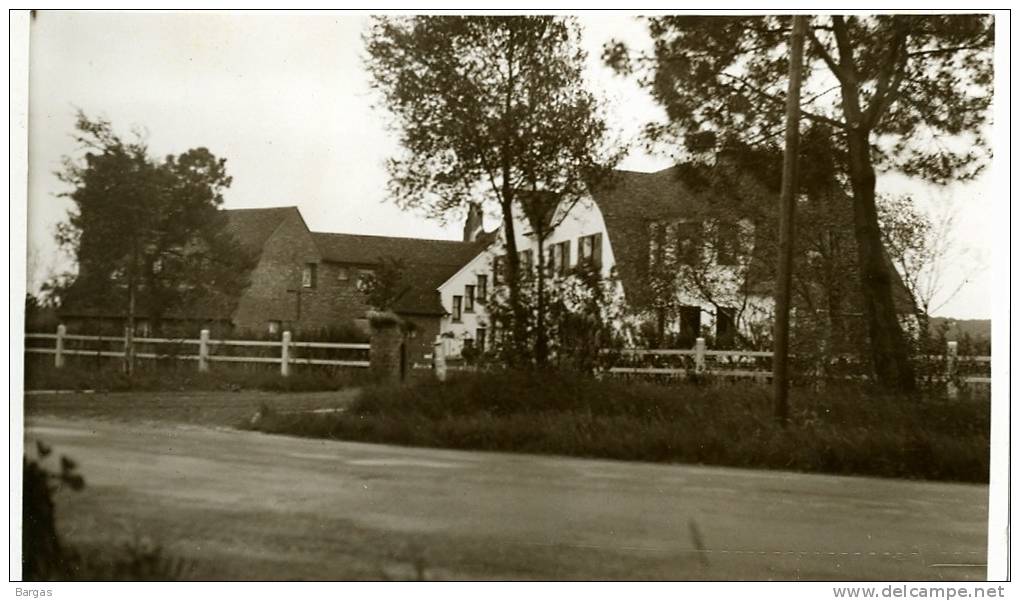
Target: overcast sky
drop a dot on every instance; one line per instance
(285, 99)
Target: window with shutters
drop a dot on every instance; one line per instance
(589, 250)
(726, 243)
(559, 259)
(527, 260)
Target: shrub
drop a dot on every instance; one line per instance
(46, 558)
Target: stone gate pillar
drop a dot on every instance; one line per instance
(387, 354)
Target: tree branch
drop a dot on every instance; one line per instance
(836, 69)
(947, 50)
(781, 101)
(889, 77)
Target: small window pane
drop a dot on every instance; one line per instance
(482, 289)
(308, 275)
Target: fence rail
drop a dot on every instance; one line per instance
(205, 346)
(748, 364)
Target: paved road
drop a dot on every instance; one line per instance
(243, 505)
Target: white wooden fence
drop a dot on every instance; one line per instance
(204, 354)
(757, 364)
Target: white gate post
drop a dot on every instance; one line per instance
(699, 355)
(439, 359)
(203, 351)
(285, 354)
(951, 389)
(58, 357)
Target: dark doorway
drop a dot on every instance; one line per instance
(725, 328)
(690, 325)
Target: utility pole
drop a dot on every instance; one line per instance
(787, 202)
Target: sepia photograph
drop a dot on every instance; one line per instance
(512, 296)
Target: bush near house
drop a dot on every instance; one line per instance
(845, 430)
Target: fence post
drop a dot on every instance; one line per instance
(58, 357)
(129, 350)
(439, 359)
(699, 355)
(203, 350)
(285, 354)
(951, 388)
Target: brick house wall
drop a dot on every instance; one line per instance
(338, 298)
(270, 295)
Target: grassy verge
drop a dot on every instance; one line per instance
(196, 408)
(109, 377)
(839, 430)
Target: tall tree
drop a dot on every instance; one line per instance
(899, 92)
(919, 245)
(146, 234)
(493, 108)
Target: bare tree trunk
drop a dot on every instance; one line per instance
(513, 281)
(890, 353)
(541, 337)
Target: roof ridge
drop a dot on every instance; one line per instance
(656, 172)
(262, 208)
(378, 236)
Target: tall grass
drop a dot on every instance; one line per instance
(845, 430)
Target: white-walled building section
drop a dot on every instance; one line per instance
(580, 225)
(580, 230)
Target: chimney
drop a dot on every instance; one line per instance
(473, 223)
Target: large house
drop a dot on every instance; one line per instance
(626, 228)
(637, 227)
(310, 282)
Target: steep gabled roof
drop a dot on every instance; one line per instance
(630, 200)
(429, 262)
(253, 227)
(367, 250)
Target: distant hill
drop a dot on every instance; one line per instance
(977, 329)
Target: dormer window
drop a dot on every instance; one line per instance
(688, 242)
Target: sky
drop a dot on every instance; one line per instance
(286, 100)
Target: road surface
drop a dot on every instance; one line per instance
(245, 505)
